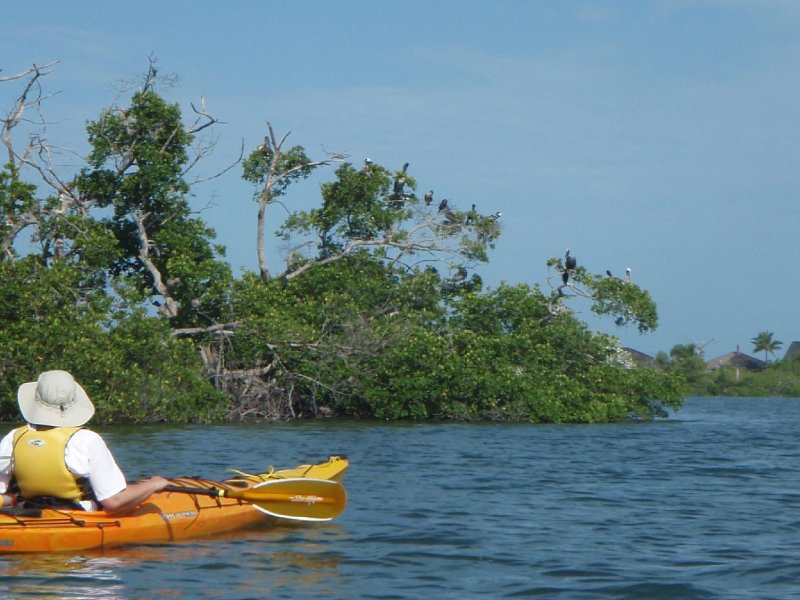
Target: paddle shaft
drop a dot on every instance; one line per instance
(254, 496)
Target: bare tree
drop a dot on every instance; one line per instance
(24, 210)
(275, 168)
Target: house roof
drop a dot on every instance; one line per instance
(640, 358)
(737, 359)
(792, 350)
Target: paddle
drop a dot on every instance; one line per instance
(300, 499)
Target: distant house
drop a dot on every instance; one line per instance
(737, 359)
(640, 358)
(792, 350)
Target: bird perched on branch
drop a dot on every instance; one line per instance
(443, 204)
(399, 184)
(471, 215)
(428, 197)
(570, 263)
(620, 279)
(367, 168)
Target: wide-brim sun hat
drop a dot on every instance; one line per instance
(55, 400)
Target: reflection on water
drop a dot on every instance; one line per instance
(55, 577)
(240, 564)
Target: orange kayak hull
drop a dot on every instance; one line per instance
(165, 517)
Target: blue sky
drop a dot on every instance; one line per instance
(660, 136)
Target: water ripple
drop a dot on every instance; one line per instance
(703, 506)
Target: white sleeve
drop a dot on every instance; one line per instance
(88, 456)
(6, 446)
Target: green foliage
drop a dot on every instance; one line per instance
(627, 302)
(765, 343)
(137, 164)
(501, 360)
(261, 166)
(779, 379)
(687, 360)
(363, 211)
(324, 328)
(132, 368)
(149, 376)
(623, 300)
(16, 196)
(354, 207)
(137, 157)
(18, 206)
(375, 344)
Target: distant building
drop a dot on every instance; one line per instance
(737, 359)
(640, 358)
(792, 350)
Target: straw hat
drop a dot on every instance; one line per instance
(55, 399)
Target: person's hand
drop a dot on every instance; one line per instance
(158, 483)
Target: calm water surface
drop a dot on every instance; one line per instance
(704, 505)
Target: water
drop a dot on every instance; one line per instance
(703, 505)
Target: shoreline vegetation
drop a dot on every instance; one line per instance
(375, 311)
(779, 379)
(734, 374)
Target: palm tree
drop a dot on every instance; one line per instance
(763, 342)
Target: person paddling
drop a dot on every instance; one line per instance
(54, 461)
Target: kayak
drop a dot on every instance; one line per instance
(189, 508)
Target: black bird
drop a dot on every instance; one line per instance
(399, 183)
(569, 261)
(428, 197)
(405, 168)
(442, 204)
(471, 215)
(569, 265)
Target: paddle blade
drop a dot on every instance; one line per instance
(299, 499)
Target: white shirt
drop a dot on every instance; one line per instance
(86, 456)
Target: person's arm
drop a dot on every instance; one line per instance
(133, 495)
(5, 461)
(87, 455)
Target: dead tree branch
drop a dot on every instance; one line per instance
(170, 308)
(222, 328)
(277, 174)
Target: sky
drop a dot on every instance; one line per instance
(660, 136)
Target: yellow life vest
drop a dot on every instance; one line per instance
(40, 468)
